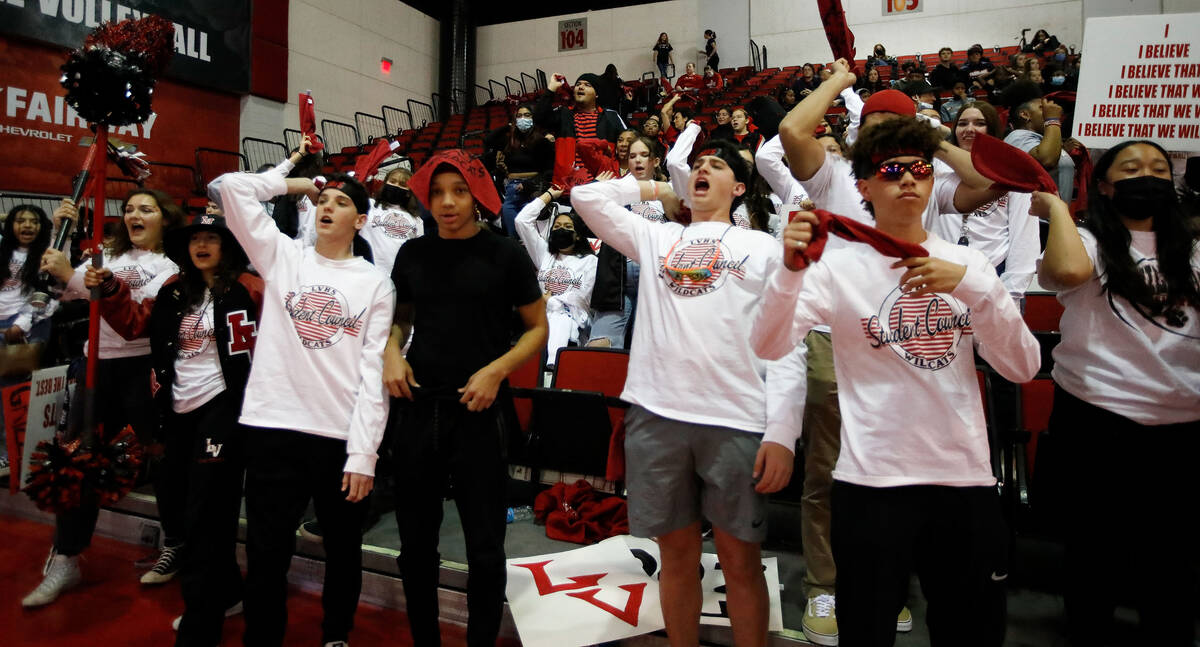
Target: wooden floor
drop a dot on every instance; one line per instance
(112, 608)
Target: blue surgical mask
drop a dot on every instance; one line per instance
(524, 123)
(924, 106)
(1057, 80)
(1060, 56)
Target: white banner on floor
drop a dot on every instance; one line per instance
(48, 394)
(609, 591)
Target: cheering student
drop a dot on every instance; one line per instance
(913, 486)
(585, 119)
(457, 289)
(566, 270)
(134, 253)
(1127, 393)
(202, 328)
(700, 442)
(392, 220)
(314, 403)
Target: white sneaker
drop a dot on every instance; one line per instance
(820, 620)
(61, 573)
(229, 613)
(166, 567)
(337, 643)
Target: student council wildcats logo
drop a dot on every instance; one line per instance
(695, 267)
(135, 276)
(321, 316)
(194, 336)
(558, 280)
(922, 330)
(395, 225)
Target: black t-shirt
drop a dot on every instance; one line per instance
(463, 293)
(664, 52)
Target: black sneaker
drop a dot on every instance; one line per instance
(166, 567)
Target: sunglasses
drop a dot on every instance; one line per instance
(894, 171)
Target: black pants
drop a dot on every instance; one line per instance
(441, 447)
(205, 464)
(284, 470)
(123, 397)
(952, 537)
(1130, 496)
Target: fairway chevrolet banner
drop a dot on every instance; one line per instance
(1140, 79)
(609, 591)
(212, 37)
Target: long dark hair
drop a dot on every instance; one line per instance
(8, 243)
(1175, 235)
(172, 217)
(518, 140)
(582, 246)
(229, 268)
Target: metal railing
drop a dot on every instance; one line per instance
(339, 135)
(260, 152)
(397, 120)
(370, 127)
(421, 113)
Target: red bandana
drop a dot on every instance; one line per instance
(477, 177)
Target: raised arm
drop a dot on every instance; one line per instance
(1065, 263)
(241, 196)
(535, 245)
(796, 130)
(1049, 152)
(602, 207)
(677, 160)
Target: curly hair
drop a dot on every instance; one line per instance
(891, 138)
(28, 275)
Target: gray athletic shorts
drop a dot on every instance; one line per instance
(678, 472)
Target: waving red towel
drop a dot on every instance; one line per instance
(1009, 168)
(852, 230)
(308, 122)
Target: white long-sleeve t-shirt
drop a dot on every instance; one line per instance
(700, 287)
(318, 361)
(144, 272)
(388, 227)
(911, 409)
(568, 278)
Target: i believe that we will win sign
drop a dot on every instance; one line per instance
(1140, 79)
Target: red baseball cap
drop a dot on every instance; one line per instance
(893, 101)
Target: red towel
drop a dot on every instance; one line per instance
(1009, 168)
(855, 231)
(308, 122)
(596, 155)
(367, 164)
(576, 512)
(477, 177)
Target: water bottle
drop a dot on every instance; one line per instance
(520, 513)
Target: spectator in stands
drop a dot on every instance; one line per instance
(744, 132)
(1037, 130)
(1002, 229)
(1127, 380)
(134, 253)
(692, 448)
(879, 57)
(787, 98)
(26, 234)
(945, 74)
(314, 403)
(1042, 43)
(1034, 76)
(456, 293)
(807, 82)
(828, 181)
(392, 220)
(660, 54)
(712, 80)
(690, 81)
(904, 500)
(652, 126)
(675, 118)
(872, 81)
(202, 331)
(609, 93)
(922, 95)
(584, 119)
(1059, 80)
(518, 153)
(294, 213)
(614, 297)
(722, 130)
(977, 68)
(566, 268)
(710, 50)
(622, 149)
(950, 107)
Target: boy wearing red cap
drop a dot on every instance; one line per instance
(829, 182)
(913, 487)
(456, 291)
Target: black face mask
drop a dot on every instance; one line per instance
(1139, 198)
(561, 238)
(392, 194)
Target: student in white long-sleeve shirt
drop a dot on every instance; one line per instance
(700, 439)
(1127, 395)
(123, 391)
(828, 179)
(566, 268)
(391, 221)
(315, 400)
(913, 486)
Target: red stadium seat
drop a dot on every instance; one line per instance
(1042, 311)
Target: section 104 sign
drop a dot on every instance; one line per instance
(572, 34)
(900, 7)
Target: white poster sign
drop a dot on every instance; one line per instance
(609, 591)
(1140, 79)
(48, 394)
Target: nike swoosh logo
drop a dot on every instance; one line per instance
(999, 578)
(756, 523)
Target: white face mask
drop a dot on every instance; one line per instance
(524, 123)
(924, 106)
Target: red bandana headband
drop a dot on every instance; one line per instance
(880, 157)
(479, 181)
